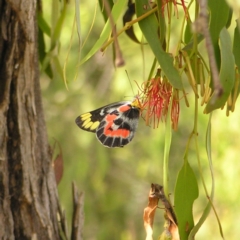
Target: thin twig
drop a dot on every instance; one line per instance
(119, 61)
(128, 25)
(201, 25)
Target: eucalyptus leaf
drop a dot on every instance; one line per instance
(208, 206)
(57, 66)
(127, 17)
(188, 34)
(43, 25)
(116, 13)
(42, 53)
(236, 45)
(78, 21)
(103, 8)
(59, 26)
(186, 191)
(149, 27)
(227, 72)
(217, 8)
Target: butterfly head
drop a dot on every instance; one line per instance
(136, 103)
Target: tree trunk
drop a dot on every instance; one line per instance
(28, 192)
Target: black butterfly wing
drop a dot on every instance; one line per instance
(90, 121)
(117, 128)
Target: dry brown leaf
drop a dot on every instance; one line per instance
(58, 168)
(57, 163)
(149, 212)
(170, 226)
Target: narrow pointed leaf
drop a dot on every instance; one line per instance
(236, 45)
(59, 25)
(78, 22)
(208, 206)
(42, 53)
(188, 34)
(227, 72)
(102, 7)
(43, 25)
(127, 17)
(149, 27)
(186, 191)
(217, 8)
(116, 12)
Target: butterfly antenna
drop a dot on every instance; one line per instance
(129, 81)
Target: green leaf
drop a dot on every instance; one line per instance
(228, 24)
(42, 53)
(190, 45)
(149, 27)
(236, 45)
(208, 206)
(236, 51)
(127, 17)
(189, 38)
(54, 18)
(103, 8)
(43, 25)
(116, 13)
(217, 8)
(78, 22)
(186, 191)
(57, 66)
(161, 23)
(59, 25)
(188, 34)
(167, 146)
(227, 72)
(41, 45)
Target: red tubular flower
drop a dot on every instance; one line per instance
(155, 102)
(175, 110)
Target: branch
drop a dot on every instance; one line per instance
(201, 26)
(78, 217)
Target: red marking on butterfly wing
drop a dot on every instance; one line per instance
(118, 125)
(109, 131)
(124, 108)
(110, 118)
(123, 133)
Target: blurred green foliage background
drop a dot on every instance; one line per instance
(116, 182)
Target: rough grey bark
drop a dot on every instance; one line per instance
(28, 192)
(78, 215)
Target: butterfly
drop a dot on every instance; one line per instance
(113, 124)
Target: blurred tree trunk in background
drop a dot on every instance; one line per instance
(28, 192)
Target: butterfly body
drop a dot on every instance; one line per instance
(114, 124)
